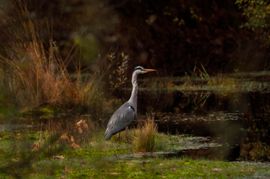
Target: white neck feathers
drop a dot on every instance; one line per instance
(133, 98)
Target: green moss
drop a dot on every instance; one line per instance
(102, 159)
(42, 112)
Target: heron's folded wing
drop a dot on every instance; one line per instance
(121, 118)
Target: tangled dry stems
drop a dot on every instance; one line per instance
(36, 74)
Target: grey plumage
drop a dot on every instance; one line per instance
(120, 119)
(126, 113)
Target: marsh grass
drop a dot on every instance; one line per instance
(145, 137)
(99, 159)
(125, 136)
(255, 151)
(200, 80)
(17, 160)
(220, 84)
(34, 72)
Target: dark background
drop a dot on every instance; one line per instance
(173, 36)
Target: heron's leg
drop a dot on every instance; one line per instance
(126, 131)
(118, 136)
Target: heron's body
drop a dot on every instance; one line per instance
(120, 119)
(126, 113)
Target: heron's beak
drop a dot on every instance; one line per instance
(149, 70)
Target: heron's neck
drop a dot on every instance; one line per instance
(133, 98)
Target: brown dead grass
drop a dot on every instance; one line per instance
(145, 137)
(37, 74)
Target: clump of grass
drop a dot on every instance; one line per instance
(145, 137)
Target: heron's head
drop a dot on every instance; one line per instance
(141, 70)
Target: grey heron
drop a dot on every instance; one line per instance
(126, 113)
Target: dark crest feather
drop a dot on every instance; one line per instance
(138, 68)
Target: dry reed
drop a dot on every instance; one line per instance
(36, 74)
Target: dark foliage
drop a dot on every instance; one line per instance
(177, 35)
(173, 36)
